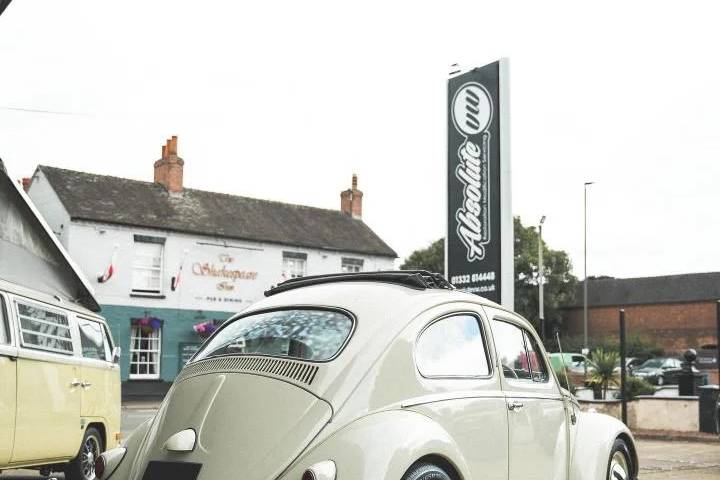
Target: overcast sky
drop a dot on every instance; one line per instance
(285, 100)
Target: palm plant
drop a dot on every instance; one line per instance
(604, 373)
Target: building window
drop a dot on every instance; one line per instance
(294, 264)
(145, 353)
(148, 265)
(352, 265)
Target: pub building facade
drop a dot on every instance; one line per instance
(169, 263)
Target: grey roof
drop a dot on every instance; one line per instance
(106, 199)
(689, 287)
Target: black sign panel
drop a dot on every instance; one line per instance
(475, 213)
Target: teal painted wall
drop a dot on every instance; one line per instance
(177, 328)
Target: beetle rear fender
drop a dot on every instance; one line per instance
(591, 451)
(382, 446)
(133, 443)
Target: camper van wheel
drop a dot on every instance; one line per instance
(82, 467)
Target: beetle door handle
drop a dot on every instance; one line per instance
(86, 384)
(515, 406)
(76, 383)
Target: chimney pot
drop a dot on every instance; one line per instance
(169, 169)
(351, 200)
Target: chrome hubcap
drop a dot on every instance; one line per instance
(90, 451)
(618, 467)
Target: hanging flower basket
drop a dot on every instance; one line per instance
(205, 329)
(147, 324)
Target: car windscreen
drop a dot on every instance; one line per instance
(306, 334)
(652, 363)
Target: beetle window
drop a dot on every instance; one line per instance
(314, 335)
(519, 353)
(452, 347)
(510, 347)
(537, 365)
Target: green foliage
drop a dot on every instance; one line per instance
(560, 283)
(604, 371)
(635, 386)
(559, 286)
(636, 346)
(431, 258)
(563, 375)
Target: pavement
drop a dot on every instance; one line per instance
(659, 459)
(679, 460)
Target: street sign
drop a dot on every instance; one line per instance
(479, 241)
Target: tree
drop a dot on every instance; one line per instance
(431, 258)
(559, 286)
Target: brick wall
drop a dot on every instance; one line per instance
(674, 326)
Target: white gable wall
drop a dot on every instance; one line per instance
(48, 203)
(202, 285)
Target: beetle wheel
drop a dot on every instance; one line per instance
(620, 465)
(426, 471)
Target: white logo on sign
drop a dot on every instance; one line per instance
(472, 112)
(472, 109)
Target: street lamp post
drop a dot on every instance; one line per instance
(541, 281)
(585, 281)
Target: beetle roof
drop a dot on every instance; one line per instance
(381, 310)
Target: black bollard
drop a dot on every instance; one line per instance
(689, 380)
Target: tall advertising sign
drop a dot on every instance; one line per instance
(479, 246)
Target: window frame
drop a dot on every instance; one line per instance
(524, 331)
(145, 239)
(352, 262)
(483, 336)
(326, 308)
(71, 326)
(5, 322)
(107, 339)
(294, 256)
(145, 376)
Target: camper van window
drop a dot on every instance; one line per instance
(44, 329)
(92, 339)
(4, 327)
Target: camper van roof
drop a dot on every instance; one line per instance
(30, 254)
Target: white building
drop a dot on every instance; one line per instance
(184, 257)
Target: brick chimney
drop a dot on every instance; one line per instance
(26, 181)
(351, 200)
(169, 169)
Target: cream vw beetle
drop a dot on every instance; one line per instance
(387, 375)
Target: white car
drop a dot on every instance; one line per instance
(386, 375)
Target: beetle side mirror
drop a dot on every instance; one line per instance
(116, 355)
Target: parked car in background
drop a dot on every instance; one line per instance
(630, 364)
(660, 370)
(383, 375)
(60, 384)
(579, 367)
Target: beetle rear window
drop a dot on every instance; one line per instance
(306, 334)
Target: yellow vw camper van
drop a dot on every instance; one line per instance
(59, 372)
